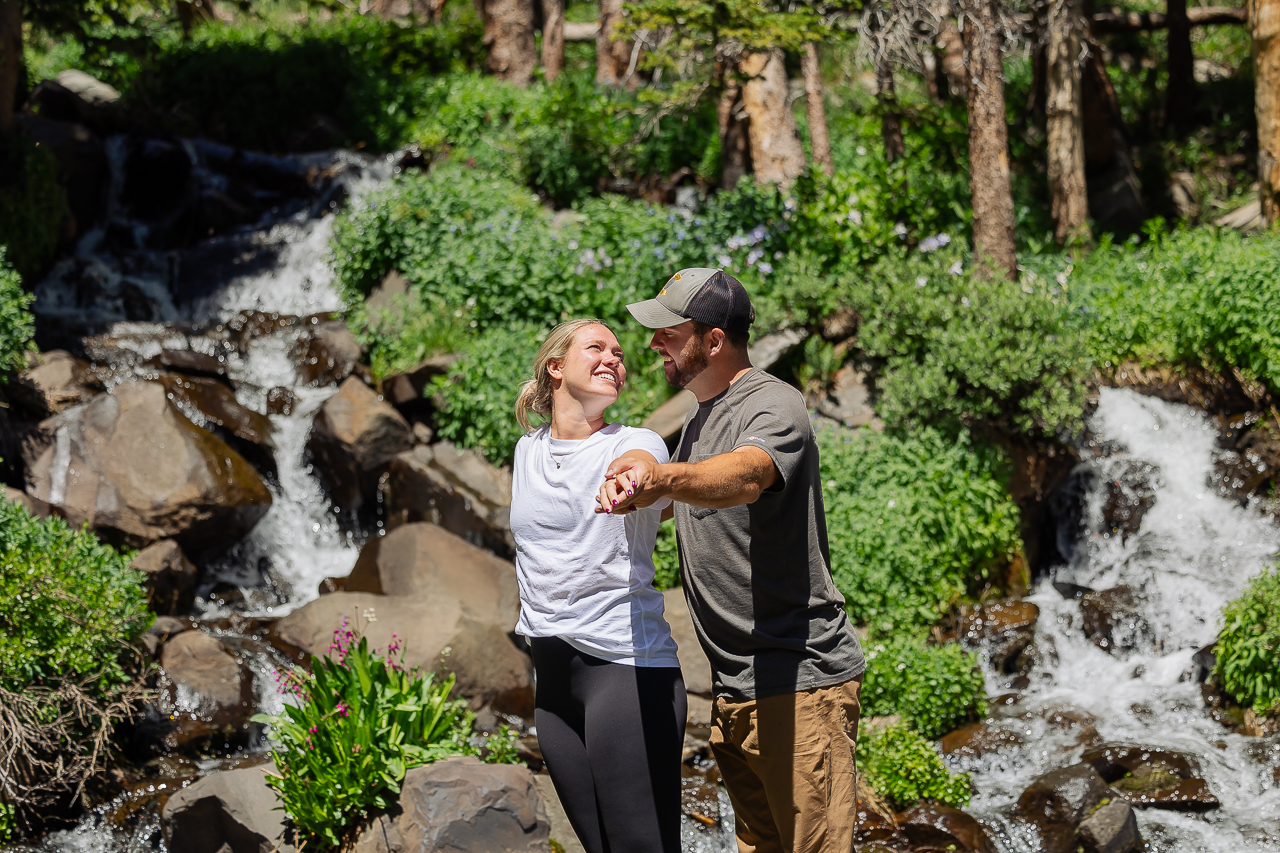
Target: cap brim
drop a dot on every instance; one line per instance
(652, 314)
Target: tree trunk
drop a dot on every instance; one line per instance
(735, 144)
(1264, 29)
(508, 34)
(1064, 121)
(890, 119)
(952, 47)
(777, 156)
(613, 58)
(1180, 97)
(993, 245)
(819, 139)
(552, 38)
(10, 62)
(1115, 194)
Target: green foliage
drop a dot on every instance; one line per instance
(8, 822)
(906, 768)
(407, 331)
(913, 523)
(1194, 297)
(361, 721)
(33, 204)
(17, 326)
(954, 350)
(933, 688)
(666, 558)
(1248, 649)
(69, 607)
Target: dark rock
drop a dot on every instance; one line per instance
(56, 382)
(75, 96)
(331, 354)
(1208, 390)
(489, 668)
(1128, 499)
(1115, 761)
(281, 400)
(190, 363)
(455, 488)
(157, 178)
(1111, 829)
(1058, 801)
(131, 466)
(229, 812)
(1070, 590)
(354, 437)
(170, 577)
(1005, 628)
(82, 164)
(213, 405)
(1153, 789)
(979, 739)
(161, 630)
(943, 828)
(405, 390)
(1112, 619)
(208, 688)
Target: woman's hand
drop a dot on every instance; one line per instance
(630, 483)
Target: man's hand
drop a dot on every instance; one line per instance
(729, 479)
(630, 483)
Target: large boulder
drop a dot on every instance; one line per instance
(1111, 829)
(1058, 801)
(1004, 628)
(135, 469)
(234, 811)
(438, 632)
(427, 561)
(978, 739)
(213, 405)
(206, 682)
(1113, 619)
(406, 390)
(1152, 778)
(694, 665)
(455, 488)
(169, 576)
(56, 381)
(331, 353)
(354, 436)
(937, 827)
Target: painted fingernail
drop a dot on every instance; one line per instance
(629, 491)
(615, 503)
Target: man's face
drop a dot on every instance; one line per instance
(684, 353)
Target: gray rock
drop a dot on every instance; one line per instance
(694, 665)
(332, 354)
(848, 401)
(354, 437)
(456, 489)
(1059, 800)
(170, 577)
(561, 830)
(229, 812)
(406, 388)
(207, 684)
(1111, 829)
(57, 381)
(135, 469)
(36, 507)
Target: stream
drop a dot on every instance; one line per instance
(1192, 553)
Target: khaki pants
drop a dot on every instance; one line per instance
(788, 765)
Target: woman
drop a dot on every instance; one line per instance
(611, 706)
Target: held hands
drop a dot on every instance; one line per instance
(630, 483)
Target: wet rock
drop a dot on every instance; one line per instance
(1128, 498)
(941, 827)
(213, 405)
(331, 354)
(1207, 390)
(979, 739)
(354, 437)
(405, 390)
(230, 812)
(489, 668)
(1115, 761)
(417, 559)
(454, 488)
(1204, 662)
(1250, 466)
(1152, 788)
(1058, 801)
(56, 382)
(694, 665)
(190, 363)
(161, 630)
(1113, 620)
(170, 577)
(280, 401)
(207, 684)
(1111, 829)
(848, 401)
(135, 469)
(35, 506)
(1005, 628)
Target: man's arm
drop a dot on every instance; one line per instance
(729, 479)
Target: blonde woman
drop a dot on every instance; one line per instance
(611, 706)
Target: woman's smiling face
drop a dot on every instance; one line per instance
(593, 366)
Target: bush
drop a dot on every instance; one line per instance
(1196, 297)
(1248, 649)
(933, 688)
(666, 558)
(33, 204)
(913, 523)
(17, 326)
(952, 350)
(361, 721)
(906, 768)
(70, 608)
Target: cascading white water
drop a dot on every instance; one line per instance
(1192, 554)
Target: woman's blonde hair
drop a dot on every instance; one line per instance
(535, 394)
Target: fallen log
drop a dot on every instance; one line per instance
(1116, 21)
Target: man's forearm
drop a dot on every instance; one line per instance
(730, 479)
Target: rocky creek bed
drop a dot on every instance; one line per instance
(198, 399)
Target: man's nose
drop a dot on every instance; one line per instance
(653, 343)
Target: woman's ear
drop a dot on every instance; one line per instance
(554, 369)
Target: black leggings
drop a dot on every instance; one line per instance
(612, 736)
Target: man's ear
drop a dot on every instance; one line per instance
(716, 342)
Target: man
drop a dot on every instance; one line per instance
(753, 551)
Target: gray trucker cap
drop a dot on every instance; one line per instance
(709, 296)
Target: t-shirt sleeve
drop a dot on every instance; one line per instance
(652, 443)
(778, 423)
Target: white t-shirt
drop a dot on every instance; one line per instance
(587, 577)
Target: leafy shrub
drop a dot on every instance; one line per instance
(1196, 297)
(913, 523)
(953, 350)
(33, 204)
(70, 607)
(933, 688)
(666, 558)
(1248, 649)
(16, 323)
(906, 768)
(361, 721)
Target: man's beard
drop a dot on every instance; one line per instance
(686, 367)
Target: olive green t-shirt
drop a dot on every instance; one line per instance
(758, 576)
